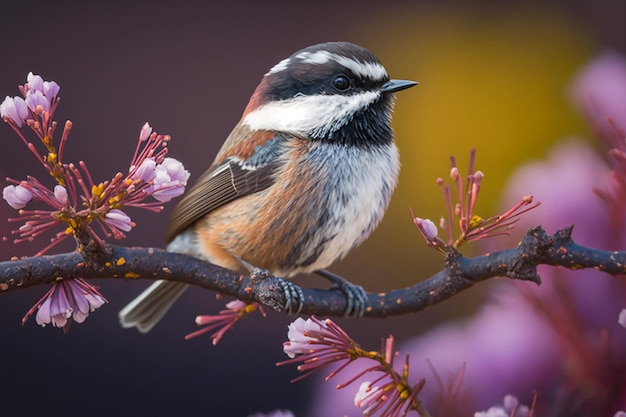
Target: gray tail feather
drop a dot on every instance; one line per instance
(145, 311)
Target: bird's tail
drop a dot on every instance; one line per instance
(145, 311)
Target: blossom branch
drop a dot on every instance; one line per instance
(460, 273)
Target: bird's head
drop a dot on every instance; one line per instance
(336, 91)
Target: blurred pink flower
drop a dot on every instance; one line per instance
(511, 407)
(368, 397)
(275, 413)
(599, 90)
(564, 183)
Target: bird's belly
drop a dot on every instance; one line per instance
(300, 226)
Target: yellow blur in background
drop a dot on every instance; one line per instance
(492, 81)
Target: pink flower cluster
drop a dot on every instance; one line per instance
(471, 226)
(39, 96)
(511, 407)
(316, 344)
(76, 202)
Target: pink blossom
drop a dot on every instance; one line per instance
(622, 318)
(50, 89)
(305, 336)
(175, 170)
(118, 219)
(15, 109)
(511, 407)
(492, 412)
(68, 300)
(38, 92)
(146, 171)
(60, 193)
(564, 182)
(170, 180)
(34, 99)
(17, 196)
(511, 403)
(34, 83)
(368, 397)
(315, 344)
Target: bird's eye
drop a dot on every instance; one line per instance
(341, 82)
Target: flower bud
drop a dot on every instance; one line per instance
(17, 196)
(118, 219)
(428, 228)
(60, 193)
(145, 132)
(34, 82)
(50, 89)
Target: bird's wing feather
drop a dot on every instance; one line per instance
(225, 181)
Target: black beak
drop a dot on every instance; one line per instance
(397, 85)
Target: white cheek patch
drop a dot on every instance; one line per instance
(371, 70)
(315, 116)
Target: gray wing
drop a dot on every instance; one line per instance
(225, 182)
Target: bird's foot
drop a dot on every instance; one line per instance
(356, 297)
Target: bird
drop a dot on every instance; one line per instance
(303, 178)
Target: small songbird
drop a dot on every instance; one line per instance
(304, 177)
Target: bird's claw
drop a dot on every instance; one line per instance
(356, 297)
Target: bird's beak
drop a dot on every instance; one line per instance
(397, 85)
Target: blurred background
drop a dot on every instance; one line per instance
(493, 76)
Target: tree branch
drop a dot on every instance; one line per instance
(536, 248)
